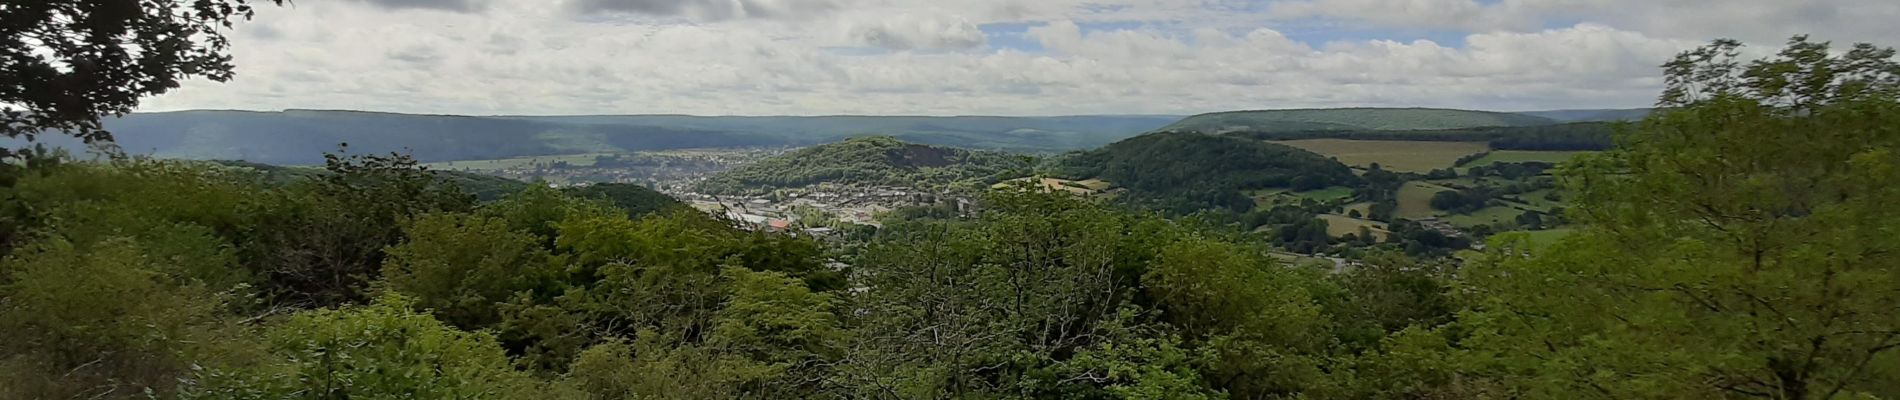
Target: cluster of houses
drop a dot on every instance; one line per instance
(817, 210)
(1443, 228)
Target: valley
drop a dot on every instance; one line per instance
(1356, 179)
(1325, 200)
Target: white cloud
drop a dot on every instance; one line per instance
(709, 10)
(910, 31)
(1755, 20)
(1063, 57)
(444, 5)
(1439, 14)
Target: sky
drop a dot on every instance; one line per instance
(987, 57)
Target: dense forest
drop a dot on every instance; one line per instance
(1735, 244)
(1567, 136)
(1184, 172)
(1320, 119)
(1593, 115)
(872, 160)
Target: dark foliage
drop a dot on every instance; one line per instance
(321, 241)
(1569, 136)
(1183, 172)
(638, 200)
(66, 63)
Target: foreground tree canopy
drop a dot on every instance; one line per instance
(1736, 244)
(66, 63)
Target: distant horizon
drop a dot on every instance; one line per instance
(872, 115)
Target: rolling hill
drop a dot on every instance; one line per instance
(301, 136)
(873, 160)
(1565, 136)
(978, 132)
(483, 187)
(1350, 119)
(1601, 115)
(637, 200)
(1184, 172)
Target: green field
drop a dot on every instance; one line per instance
(1536, 201)
(1547, 237)
(578, 160)
(1277, 196)
(1515, 156)
(1392, 155)
(1415, 200)
(1485, 216)
(1340, 225)
(1364, 208)
(1327, 194)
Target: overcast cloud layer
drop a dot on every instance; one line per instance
(995, 57)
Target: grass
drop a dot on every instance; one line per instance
(1340, 225)
(1277, 196)
(1392, 155)
(1326, 194)
(1364, 208)
(1485, 216)
(1415, 200)
(1082, 187)
(578, 160)
(1544, 238)
(1515, 156)
(1535, 200)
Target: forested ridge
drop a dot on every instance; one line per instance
(1737, 243)
(1565, 136)
(1184, 172)
(1349, 119)
(297, 136)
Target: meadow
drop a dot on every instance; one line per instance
(1391, 155)
(1517, 156)
(1415, 200)
(1340, 225)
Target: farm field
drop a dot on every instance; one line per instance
(1082, 187)
(1392, 155)
(1515, 156)
(1364, 208)
(1340, 225)
(1537, 200)
(1486, 216)
(1415, 200)
(1276, 196)
(1326, 194)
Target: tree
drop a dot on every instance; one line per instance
(107, 320)
(382, 350)
(322, 241)
(69, 62)
(1255, 316)
(1738, 243)
(462, 266)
